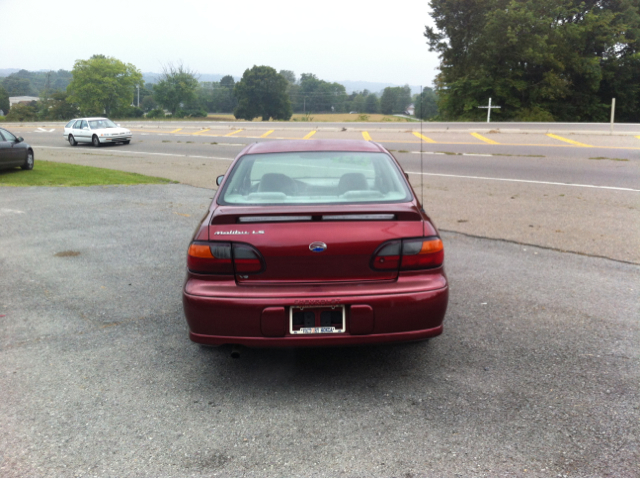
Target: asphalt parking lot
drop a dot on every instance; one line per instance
(536, 374)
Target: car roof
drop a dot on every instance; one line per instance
(282, 146)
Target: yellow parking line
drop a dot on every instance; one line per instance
(234, 132)
(486, 140)
(638, 137)
(264, 135)
(567, 140)
(425, 138)
(201, 131)
(310, 134)
(366, 136)
(176, 131)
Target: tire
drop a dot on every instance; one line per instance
(72, 141)
(126, 142)
(28, 163)
(95, 141)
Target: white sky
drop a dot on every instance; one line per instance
(336, 40)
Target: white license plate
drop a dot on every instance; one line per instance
(318, 329)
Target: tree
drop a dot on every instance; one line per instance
(4, 100)
(262, 92)
(395, 99)
(425, 104)
(17, 86)
(103, 85)
(56, 106)
(537, 59)
(289, 76)
(23, 112)
(177, 86)
(372, 104)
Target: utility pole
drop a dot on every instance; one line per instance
(138, 87)
(489, 107)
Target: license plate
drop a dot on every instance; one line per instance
(318, 329)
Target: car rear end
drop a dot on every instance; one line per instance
(317, 261)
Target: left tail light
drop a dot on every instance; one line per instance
(224, 258)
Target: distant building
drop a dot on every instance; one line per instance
(13, 100)
(410, 109)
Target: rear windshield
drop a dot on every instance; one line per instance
(315, 178)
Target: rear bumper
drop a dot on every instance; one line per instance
(395, 317)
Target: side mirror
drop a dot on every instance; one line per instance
(19, 139)
(406, 175)
(219, 179)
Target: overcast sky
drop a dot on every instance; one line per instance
(336, 40)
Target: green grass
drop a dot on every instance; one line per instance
(49, 173)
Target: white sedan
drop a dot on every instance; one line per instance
(96, 131)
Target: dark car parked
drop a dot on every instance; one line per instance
(14, 151)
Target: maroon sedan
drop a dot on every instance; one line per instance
(315, 243)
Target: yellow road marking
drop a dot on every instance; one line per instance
(485, 139)
(176, 131)
(264, 135)
(310, 134)
(567, 140)
(425, 138)
(201, 131)
(366, 136)
(234, 132)
(638, 137)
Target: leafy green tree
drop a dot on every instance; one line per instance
(289, 76)
(148, 104)
(23, 112)
(315, 95)
(17, 86)
(56, 106)
(425, 104)
(224, 98)
(395, 99)
(262, 92)
(177, 86)
(551, 59)
(4, 100)
(372, 104)
(103, 85)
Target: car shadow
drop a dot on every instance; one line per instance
(304, 370)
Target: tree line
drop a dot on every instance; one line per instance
(540, 60)
(104, 85)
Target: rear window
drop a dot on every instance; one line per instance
(315, 178)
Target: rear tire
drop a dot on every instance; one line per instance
(95, 141)
(126, 142)
(72, 141)
(28, 163)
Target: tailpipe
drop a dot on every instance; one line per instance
(235, 351)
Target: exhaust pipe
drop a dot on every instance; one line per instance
(235, 351)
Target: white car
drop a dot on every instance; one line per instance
(96, 131)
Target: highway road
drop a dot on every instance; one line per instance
(570, 192)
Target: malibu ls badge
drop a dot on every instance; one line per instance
(317, 247)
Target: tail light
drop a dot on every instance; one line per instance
(224, 258)
(409, 254)
(247, 259)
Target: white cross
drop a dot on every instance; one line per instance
(489, 107)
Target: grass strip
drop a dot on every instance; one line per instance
(50, 173)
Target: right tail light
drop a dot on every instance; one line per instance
(409, 254)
